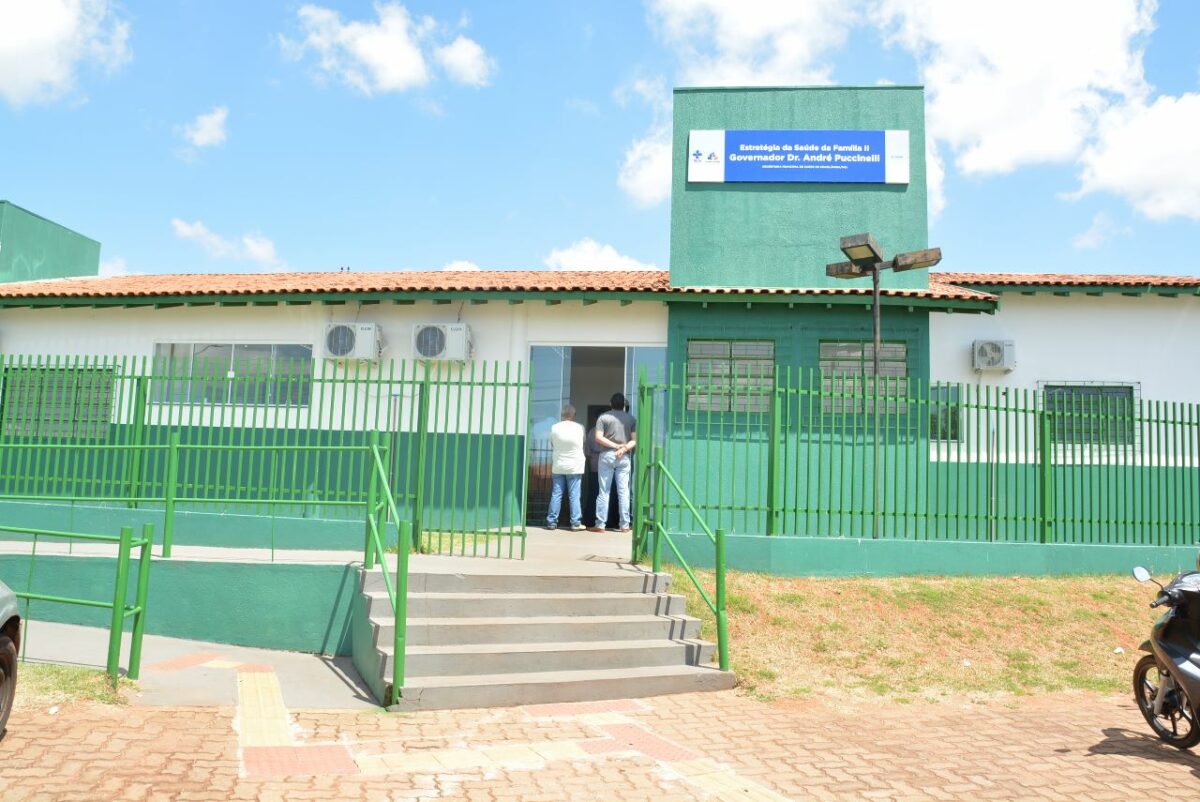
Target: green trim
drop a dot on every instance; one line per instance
(481, 297)
(1167, 290)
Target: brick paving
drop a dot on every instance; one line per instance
(713, 746)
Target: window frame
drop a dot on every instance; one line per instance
(758, 390)
(77, 427)
(836, 401)
(1058, 437)
(178, 386)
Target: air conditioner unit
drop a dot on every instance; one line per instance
(993, 355)
(353, 341)
(449, 341)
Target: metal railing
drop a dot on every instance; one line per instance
(381, 504)
(279, 438)
(121, 609)
(812, 454)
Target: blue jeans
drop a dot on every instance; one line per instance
(571, 482)
(610, 467)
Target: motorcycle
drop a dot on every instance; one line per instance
(1166, 682)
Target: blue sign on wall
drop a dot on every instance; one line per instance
(854, 157)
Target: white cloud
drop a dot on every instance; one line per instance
(935, 180)
(1022, 82)
(207, 130)
(43, 45)
(466, 62)
(1102, 229)
(389, 54)
(753, 42)
(645, 172)
(115, 266)
(587, 254)
(250, 247)
(460, 264)
(1149, 155)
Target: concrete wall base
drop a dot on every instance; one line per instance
(804, 556)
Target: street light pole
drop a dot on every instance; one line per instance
(866, 256)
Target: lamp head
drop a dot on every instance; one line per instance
(862, 249)
(916, 260)
(844, 270)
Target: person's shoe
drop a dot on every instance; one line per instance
(578, 528)
(552, 527)
(596, 529)
(625, 531)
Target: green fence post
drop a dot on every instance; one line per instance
(371, 520)
(399, 642)
(118, 605)
(143, 587)
(171, 481)
(659, 522)
(641, 487)
(418, 514)
(722, 621)
(1045, 477)
(774, 475)
(137, 438)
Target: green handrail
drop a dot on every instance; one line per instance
(119, 605)
(397, 594)
(661, 533)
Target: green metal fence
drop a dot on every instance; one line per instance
(800, 453)
(120, 606)
(283, 437)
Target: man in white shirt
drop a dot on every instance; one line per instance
(566, 443)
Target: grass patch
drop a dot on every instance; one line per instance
(928, 638)
(48, 684)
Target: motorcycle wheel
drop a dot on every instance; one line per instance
(1176, 724)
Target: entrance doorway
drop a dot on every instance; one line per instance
(586, 377)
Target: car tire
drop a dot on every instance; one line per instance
(8, 679)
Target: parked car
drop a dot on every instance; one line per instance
(10, 641)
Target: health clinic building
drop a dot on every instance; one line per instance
(765, 183)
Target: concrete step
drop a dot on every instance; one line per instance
(518, 658)
(487, 605)
(505, 690)
(524, 579)
(540, 629)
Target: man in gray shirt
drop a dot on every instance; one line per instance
(616, 436)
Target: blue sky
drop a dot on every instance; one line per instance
(204, 136)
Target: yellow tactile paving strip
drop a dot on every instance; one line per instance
(262, 716)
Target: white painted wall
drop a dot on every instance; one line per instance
(501, 332)
(1151, 341)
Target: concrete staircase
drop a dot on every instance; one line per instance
(524, 636)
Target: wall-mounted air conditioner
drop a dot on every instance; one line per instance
(449, 341)
(993, 355)
(353, 341)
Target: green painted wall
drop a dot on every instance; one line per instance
(794, 556)
(32, 247)
(783, 235)
(304, 608)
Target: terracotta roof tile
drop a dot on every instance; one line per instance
(1065, 279)
(524, 281)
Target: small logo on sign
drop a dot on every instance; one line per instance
(713, 157)
(696, 155)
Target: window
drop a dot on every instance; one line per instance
(222, 373)
(945, 413)
(847, 368)
(71, 404)
(1090, 414)
(730, 375)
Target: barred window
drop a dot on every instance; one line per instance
(248, 374)
(847, 376)
(57, 403)
(1090, 414)
(730, 375)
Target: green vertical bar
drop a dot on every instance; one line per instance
(659, 521)
(141, 595)
(774, 459)
(722, 621)
(400, 628)
(493, 397)
(470, 493)
(422, 451)
(172, 480)
(1046, 494)
(118, 606)
(372, 499)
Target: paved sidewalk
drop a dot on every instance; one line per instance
(716, 746)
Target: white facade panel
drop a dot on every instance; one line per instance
(1149, 341)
